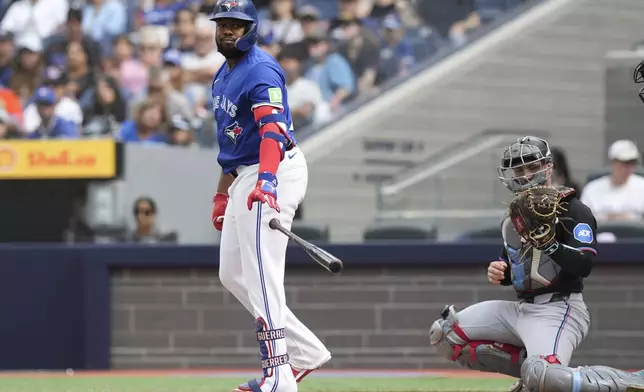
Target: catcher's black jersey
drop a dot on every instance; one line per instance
(532, 272)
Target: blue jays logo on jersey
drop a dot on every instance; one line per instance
(230, 4)
(233, 130)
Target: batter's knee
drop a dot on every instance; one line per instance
(230, 280)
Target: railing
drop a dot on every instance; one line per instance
(401, 199)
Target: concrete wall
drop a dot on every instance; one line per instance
(369, 318)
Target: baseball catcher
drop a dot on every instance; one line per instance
(549, 248)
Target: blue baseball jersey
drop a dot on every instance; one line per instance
(255, 81)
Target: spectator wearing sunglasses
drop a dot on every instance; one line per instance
(147, 230)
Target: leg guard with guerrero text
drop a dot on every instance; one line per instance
(270, 361)
(483, 355)
(540, 375)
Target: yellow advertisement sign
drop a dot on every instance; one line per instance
(49, 159)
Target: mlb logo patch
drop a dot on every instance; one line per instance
(583, 233)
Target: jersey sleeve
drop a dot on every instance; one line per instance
(266, 87)
(583, 226)
(576, 253)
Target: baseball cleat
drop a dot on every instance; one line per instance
(299, 374)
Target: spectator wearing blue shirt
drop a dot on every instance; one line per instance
(51, 126)
(184, 33)
(330, 71)
(396, 53)
(103, 20)
(164, 11)
(147, 126)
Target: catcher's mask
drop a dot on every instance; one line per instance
(638, 77)
(525, 164)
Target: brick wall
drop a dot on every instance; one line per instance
(367, 317)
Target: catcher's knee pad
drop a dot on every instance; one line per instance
(541, 374)
(483, 355)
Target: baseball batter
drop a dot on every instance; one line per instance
(533, 338)
(264, 175)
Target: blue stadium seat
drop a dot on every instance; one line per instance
(488, 10)
(425, 41)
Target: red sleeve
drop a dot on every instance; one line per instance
(270, 151)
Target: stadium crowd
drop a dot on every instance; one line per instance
(141, 70)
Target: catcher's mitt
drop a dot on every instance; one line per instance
(534, 215)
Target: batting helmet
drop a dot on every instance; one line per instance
(525, 164)
(638, 77)
(240, 10)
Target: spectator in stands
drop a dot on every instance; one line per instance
(176, 75)
(107, 110)
(160, 90)
(184, 31)
(311, 21)
(396, 53)
(163, 12)
(104, 20)
(80, 73)
(330, 71)
(28, 68)
(270, 45)
(6, 58)
(360, 47)
(208, 7)
(561, 172)
(66, 107)
(304, 96)
(12, 104)
(201, 65)
(619, 196)
(151, 45)
(147, 229)
(8, 128)
(51, 126)
(282, 25)
(148, 125)
(35, 19)
(181, 134)
(452, 19)
(56, 45)
(129, 72)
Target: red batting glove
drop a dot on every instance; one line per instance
(265, 191)
(219, 203)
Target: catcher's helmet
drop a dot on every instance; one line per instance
(240, 10)
(638, 77)
(525, 164)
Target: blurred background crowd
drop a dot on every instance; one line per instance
(141, 70)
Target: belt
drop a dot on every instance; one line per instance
(556, 297)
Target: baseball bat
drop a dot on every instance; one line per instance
(322, 257)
